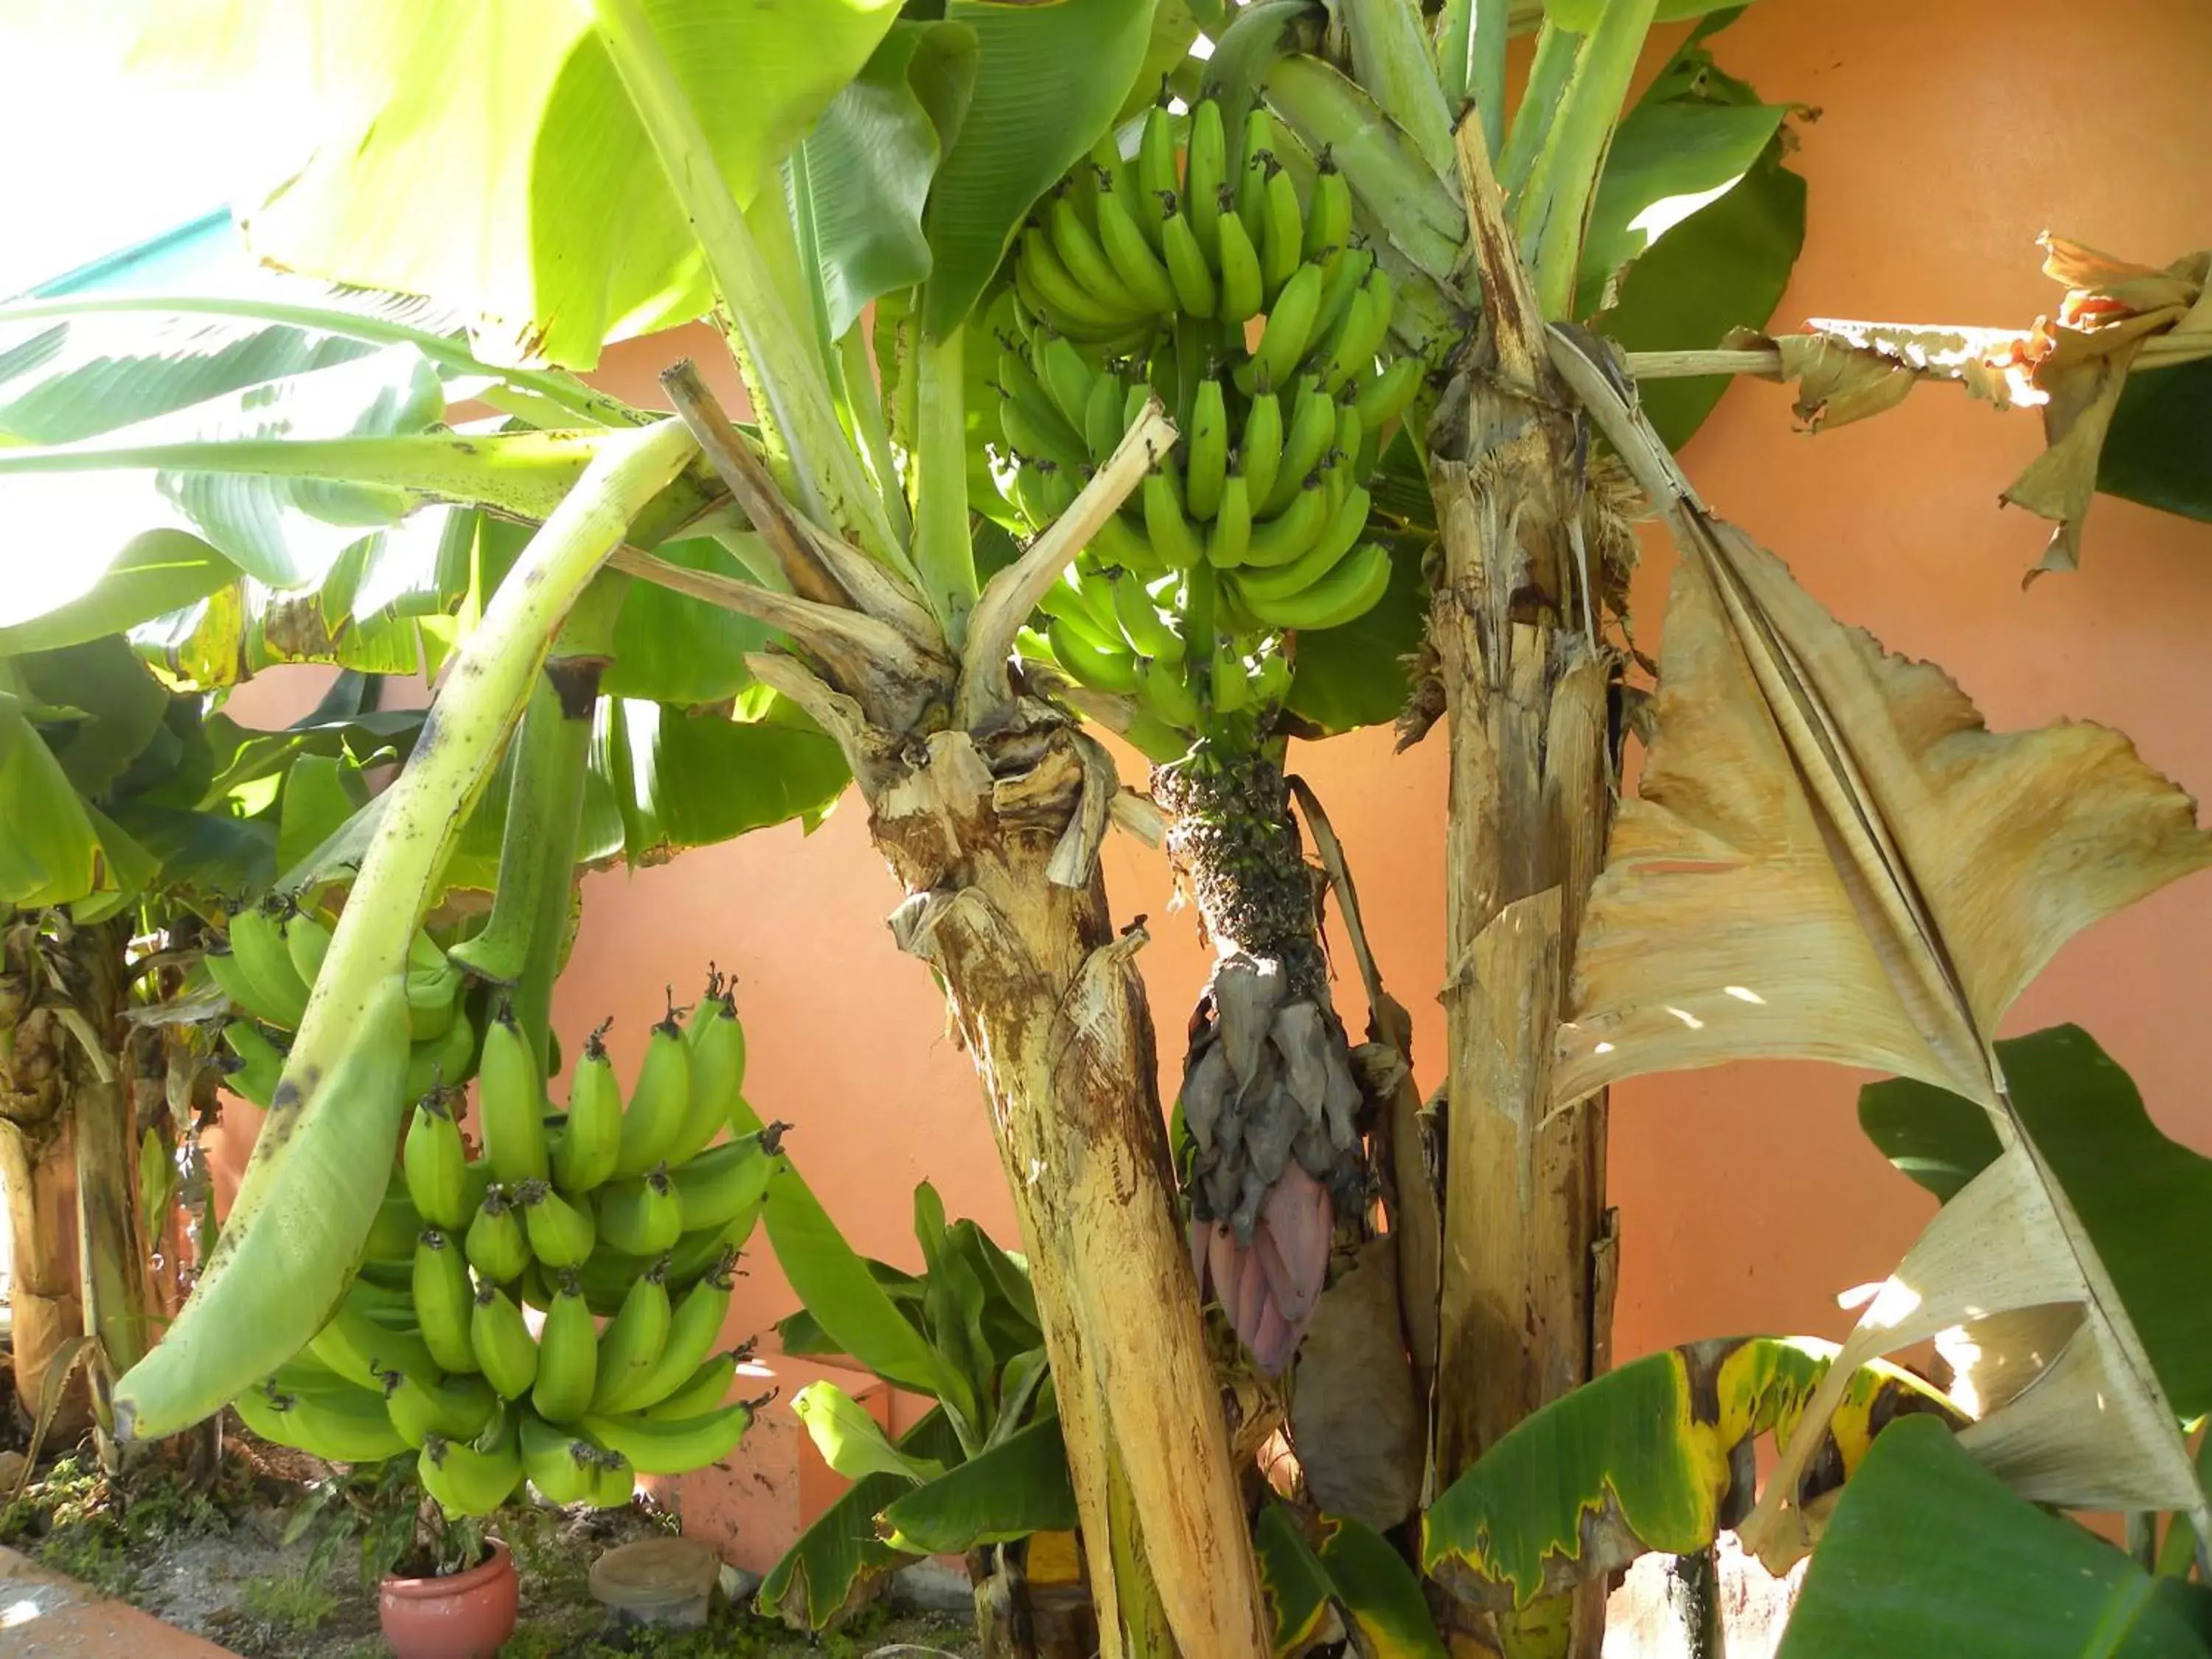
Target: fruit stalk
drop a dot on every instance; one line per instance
(304, 1211)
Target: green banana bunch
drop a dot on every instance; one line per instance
(1270, 341)
(253, 966)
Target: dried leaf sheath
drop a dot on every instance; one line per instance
(1834, 858)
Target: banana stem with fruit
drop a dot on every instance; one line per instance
(303, 1213)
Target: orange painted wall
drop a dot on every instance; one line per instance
(1950, 136)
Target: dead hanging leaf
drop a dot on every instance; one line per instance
(1832, 857)
(1354, 1417)
(2116, 316)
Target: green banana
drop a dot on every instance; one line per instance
(1366, 323)
(1259, 457)
(1117, 542)
(1337, 538)
(391, 1235)
(1067, 379)
(659, 1101)
(1197, 293)
(327, 1426)
(260, 1062)
(705, 1389)
(1290, 532)
(716, 1186)
(441, 1300)
(630, 1346)
(352, 1344)
(511, 1101)
(1347, 593)
(1206, 170)
(717, 1043)
(1156, 160)
(1387, 396)
(1242, 292)
(1343, 273)
(1064, 602)
(1312, 430)
(1100, 670)
(642, 1215)
(1058, 296)
(254, 970)
(1101, 419)
(1142, 626)
(1172, 535)
(1231, 536)
(1289, 328)
(1130, 253)
(673, 1445)
(561, 1234)
(1328, 218)
(563, 1465)
(591, 1140)
(431, 1157)
(694, 1327)
(473, 1478)
(1258, 158)
(568, 1355)
(1283, 244)
(434, 1000)
(1028, 419)
(307, 941)
(443, 1063)
(1207, 446)
(1086, 262)
(497, 1244)
(616, 1484)
(1168, 694)
(458, 1408)
(501, 1344)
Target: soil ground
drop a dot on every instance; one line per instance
(251, 1561)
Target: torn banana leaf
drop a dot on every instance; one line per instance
(1832, 857)
(2117, 317)
(1658, 1455)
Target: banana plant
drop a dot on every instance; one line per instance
(984, 1467)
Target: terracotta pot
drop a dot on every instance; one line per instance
(464, 1616)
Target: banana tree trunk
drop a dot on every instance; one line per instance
(1048, 1001)
(1526, 681)
(65, 1152)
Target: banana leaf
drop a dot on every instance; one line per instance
(1297, 1589)
(852, 1443)
(1048, 81)
(2145, 1198)
(154, 572)
(1929, 1553)
(1017, 1487)
(1656, 1454)
(1378, 1591)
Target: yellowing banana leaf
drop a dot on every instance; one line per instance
(1927, 1553)
(2117, 318)
(851, 1442)
(1017, 1487)
(1378, 1592)
(1292, 1579)
(2145, 1200)
(839, 1564)
(1658, 1453)
(1832, 857)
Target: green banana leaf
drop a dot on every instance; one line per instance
(508, 117)
(1017, 1487)
(838, 1289)
(50, 852)
(100, 707)
(683, 780)
(852, 1443)
(1656, 1454)
(866, 166)
(1929, 1553)
(321, 792)
(2143, 1197)
(1582, 15)
(1049, 80)
(670, 647)
(1296, 1588)
(2158, 449)
(1167, 55)
(1378, 1591)
(952, 1300)
(833, 1569)
(154, 572)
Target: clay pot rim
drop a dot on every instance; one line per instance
(457, 1583)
